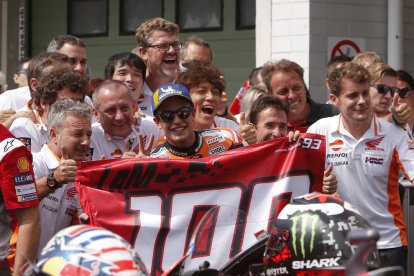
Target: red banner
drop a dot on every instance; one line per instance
(155, 204)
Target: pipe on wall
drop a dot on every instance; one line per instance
(395, 34)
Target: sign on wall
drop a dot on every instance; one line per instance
(345, 46)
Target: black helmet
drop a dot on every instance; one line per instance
(310, 237)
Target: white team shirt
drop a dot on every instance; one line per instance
(110, 147)
(220, 122)
(58, 208)
(15, 99)
(367, 171)
(145, 100)
(33, 136)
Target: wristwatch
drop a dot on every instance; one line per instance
(52, 183)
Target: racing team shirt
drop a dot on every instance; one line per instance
(58, 208)
(208, 142)
(17, 183)
(145, 100)
(110, 147)
(148, 127)
(15, 99)
(33, 135)
(367, 171)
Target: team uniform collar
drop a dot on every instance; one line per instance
(373, 131)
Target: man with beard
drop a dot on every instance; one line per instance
(159, 47)
(367, 154)
(69, 127)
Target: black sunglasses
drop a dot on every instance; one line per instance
(384, 89)
(168, 116)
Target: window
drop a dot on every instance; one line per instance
(199, 15)
(245, 14)
(88, 18)
(135, 12)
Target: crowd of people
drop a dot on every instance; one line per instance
(166, 99)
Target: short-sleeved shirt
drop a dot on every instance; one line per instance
(208, 142)
(110, 147)
(58, 208)
(368, 170)
(17, 183)
(33, 135)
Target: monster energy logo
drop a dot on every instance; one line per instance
(304, 219)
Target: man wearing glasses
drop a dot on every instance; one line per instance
(20, 77)
(385, 93)
(159, 47)
(174, 114)
(367, 155)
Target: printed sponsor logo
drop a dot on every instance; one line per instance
(308, 264)
(336, 145)
(307, 223)
(338, 163)
(27, 142)
(217, 150)
(277, 271)
(116, 153)
(215, 140)
(25, 189)
(49, 208)
(55, 199)
(374, 160)
(23, 164)
(70, 211)
(410, 145)
(337, 155)
(24, 198)
(70, 193)
(8, 145)
(373, 144)
(23, 179)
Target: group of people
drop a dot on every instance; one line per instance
(165, 99)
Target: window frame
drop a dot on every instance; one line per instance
(207, 29)
(70, 3)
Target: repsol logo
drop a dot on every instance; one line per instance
(336, 155)
(308, 264)
(374, 160)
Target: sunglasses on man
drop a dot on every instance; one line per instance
(168, 116)
(384, 89)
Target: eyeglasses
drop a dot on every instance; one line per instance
(23, 71)
(384, 89)
(163, 47)
(168, 116)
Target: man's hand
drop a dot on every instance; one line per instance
(293, 136)
(401, 112)
(247, 130)
(140, 151)
(330, 183)
(6, 114)
(66, 171)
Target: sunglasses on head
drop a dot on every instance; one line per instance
(384, 89)
(168, 116)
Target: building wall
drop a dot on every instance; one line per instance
(301, 28)
(234, 50)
